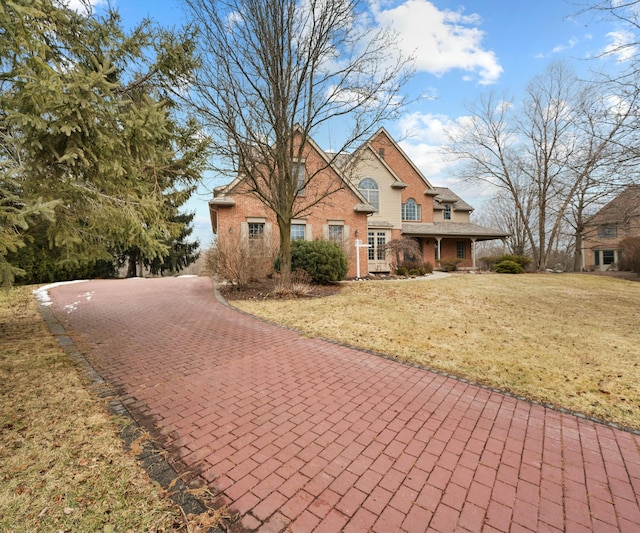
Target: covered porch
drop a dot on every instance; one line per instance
(453, 240)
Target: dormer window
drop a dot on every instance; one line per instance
(369, 189)
(446, 214)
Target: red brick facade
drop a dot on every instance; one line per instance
(381, 159)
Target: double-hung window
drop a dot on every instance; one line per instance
(336, 233)
(607, 231)
(297, 232)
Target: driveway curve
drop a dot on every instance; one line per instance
(298, 434)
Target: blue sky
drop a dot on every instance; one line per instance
(462, 48)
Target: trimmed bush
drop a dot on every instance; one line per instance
(507, 266)
(522, 260)
(490, 261)
(415, 268)
(324, 261)
(450, 265)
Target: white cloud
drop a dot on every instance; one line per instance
(424, 140)
(441, 40)
(567, 46)
(82, 6)
(621, 45)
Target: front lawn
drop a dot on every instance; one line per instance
(62, 462)
(570, 340)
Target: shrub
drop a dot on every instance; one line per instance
(402, 270)
(507, 266)
(450, 265)
(239, 261)
(490, 261)
(324, 261)
(415, 268)
(300, 286)
(521, 260)
(630, 249)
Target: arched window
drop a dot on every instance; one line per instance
(410, 210)
(369, 189)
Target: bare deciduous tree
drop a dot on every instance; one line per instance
(542, 153)
(275, 72)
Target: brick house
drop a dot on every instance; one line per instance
(381, 196)
(604, 231)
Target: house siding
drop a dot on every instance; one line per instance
(336, 208)
(623, 212)
(382, 160)
(403, 169)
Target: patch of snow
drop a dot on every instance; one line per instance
(42, 294)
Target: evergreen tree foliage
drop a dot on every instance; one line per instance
(90, 139)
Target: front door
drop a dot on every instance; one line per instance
(377, 241)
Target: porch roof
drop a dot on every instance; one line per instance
(452, 229)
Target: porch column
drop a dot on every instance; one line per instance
(473, 253)
(438, 239)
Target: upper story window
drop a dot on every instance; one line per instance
(297, 169)
(410, 210)
(369, 189)
(297, 232)
(608, 231)
(446, 214)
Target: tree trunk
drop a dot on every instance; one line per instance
(132, 268)
(285, 252)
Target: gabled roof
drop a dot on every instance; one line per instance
(619, 210)
(333, 162)
(406, 157)
(366, 147)
(447, 196)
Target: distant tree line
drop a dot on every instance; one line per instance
(551, 158)
(555, 156)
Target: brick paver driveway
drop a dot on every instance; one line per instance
(303, 435)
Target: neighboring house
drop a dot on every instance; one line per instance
(604, 231)
(383, 196)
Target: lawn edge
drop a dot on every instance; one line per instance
(151, 457)
(531, 401)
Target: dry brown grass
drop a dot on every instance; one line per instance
(569, 340)
(62, 463)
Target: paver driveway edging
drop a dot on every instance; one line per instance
(299, 434)
(150, 457)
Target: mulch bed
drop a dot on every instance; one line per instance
(266, 290)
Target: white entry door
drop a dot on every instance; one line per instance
(377, 240)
